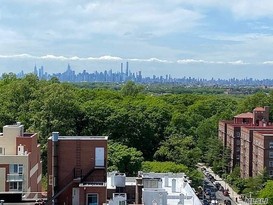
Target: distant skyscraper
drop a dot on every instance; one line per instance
(68, 67)
(121, 68)
(127, 69)
(35, 70)
(41, 72)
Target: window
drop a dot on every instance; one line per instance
(270, 145)
(99, 157)
(271, 173)
(122, 203)
(1, 150)
(270, 154)
(270, 163)
(16, 169)
(15, 186)
(238, 142)
(92, 199)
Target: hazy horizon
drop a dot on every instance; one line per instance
(198, 38)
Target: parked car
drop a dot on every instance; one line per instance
(226, 193)
(208, 192)
(212, 179)
(203, 169)
(213, 195)
(205, 202)
(227, 202)
(217, 185)
(209, 176)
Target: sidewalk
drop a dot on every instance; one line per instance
(233, 194)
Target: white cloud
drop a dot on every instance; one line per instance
(76, 58)
(105, 58)
(52, 57)
(150, 60)
(252, 9)
(245, 9)
(268, 62)
(116, 58)
(17, 56)
(134, 17)
(194, 61)
(238, 62)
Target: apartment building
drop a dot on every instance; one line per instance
(262, 152)
(238, 135)
(77, 169)
(247, 148)
(233, 142)
(20, 164)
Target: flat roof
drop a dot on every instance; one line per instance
(258, 127)
(182, 186)
(81, 137)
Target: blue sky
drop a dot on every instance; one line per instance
(197, 38)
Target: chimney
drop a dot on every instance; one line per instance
(173, 185)
(55, 136)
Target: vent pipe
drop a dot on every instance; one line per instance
(55, 137)
(173, 185)
(166, 179)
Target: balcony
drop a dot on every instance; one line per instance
(15, 177)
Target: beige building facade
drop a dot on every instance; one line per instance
(20, 164)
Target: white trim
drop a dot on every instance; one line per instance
(33, 170)
(92, 194)
(39, 178)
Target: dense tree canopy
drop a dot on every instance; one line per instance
(124, 159)
(142, 125)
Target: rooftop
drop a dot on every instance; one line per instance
(244, 115)
(260, 109)
(174, 184)
(81, 138)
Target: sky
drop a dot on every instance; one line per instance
(192, 38)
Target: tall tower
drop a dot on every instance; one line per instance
(41, 72)
(121, 68)
(121, 74)
(35, 70)
(127, 69)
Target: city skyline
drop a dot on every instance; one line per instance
(124, 74)
(196, 38)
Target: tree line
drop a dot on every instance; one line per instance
(143, 127)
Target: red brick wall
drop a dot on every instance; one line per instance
(101, 191)
(30, 144)
(67, 161)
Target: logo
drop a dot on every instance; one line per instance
(257, 200)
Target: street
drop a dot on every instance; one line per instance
(213, 189)
(218, 194)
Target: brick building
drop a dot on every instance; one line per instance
(20, 164)
(238, 135)
(77, 169)
(262, 152)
